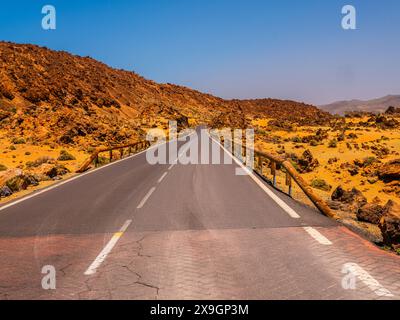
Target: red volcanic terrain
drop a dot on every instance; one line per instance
(62, 99)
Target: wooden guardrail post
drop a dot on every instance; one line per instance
(259, 163)
(262, 166)
(273, 172)
(291, 174)
(289, 183)
(95, 155)
(318, 202)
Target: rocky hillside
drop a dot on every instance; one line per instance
(379, 105)
(57, 98)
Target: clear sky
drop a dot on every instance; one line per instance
(231, 48)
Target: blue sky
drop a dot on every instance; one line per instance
(288, 49)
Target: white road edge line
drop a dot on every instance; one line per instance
(107, 249)
(162, 177)
(272, 195)
(70, 180)
(355, 270)
(36, 193)
(317, 236)
(146, 197)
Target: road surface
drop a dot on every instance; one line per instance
(131, 230)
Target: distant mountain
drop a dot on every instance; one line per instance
(374, 105)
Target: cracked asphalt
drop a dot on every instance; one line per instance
(204, 233)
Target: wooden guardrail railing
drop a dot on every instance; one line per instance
(279, 163)
(132, 148)
(261, 159)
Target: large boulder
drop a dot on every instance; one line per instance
(5, 192)
(8, 174)
(370, 212)
(347, 200)
(390, 171)
(390, 224)
(307, 163)
(392, 110)
(50, 170)
(348, 196)
(386, 123)
(21, 182)
(56, 171)
(182, 122)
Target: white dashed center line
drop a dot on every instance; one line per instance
(162, 177)
(146, 197)
(317, 236)
(107, 249)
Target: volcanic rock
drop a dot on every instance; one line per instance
(390, 224)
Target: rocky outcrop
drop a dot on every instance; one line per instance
(21, 182)
(370, 212)
(390, 224)
(347, 200)
(17, 180)
(392, 110)
(8, 174)
(390, 171)
(80, 101)
(306, 163)
(386, 123)
(5, 191)
(56, 171)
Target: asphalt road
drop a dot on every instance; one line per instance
(132, 230)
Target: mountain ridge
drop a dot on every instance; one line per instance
(377, 105)
(56, 97)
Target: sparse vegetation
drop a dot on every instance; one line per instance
(321, 184)
(65, 156)
(88, 105)
(19, 140)
(297, 139)
(38, 162)
(332, 143)
(352, 151)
